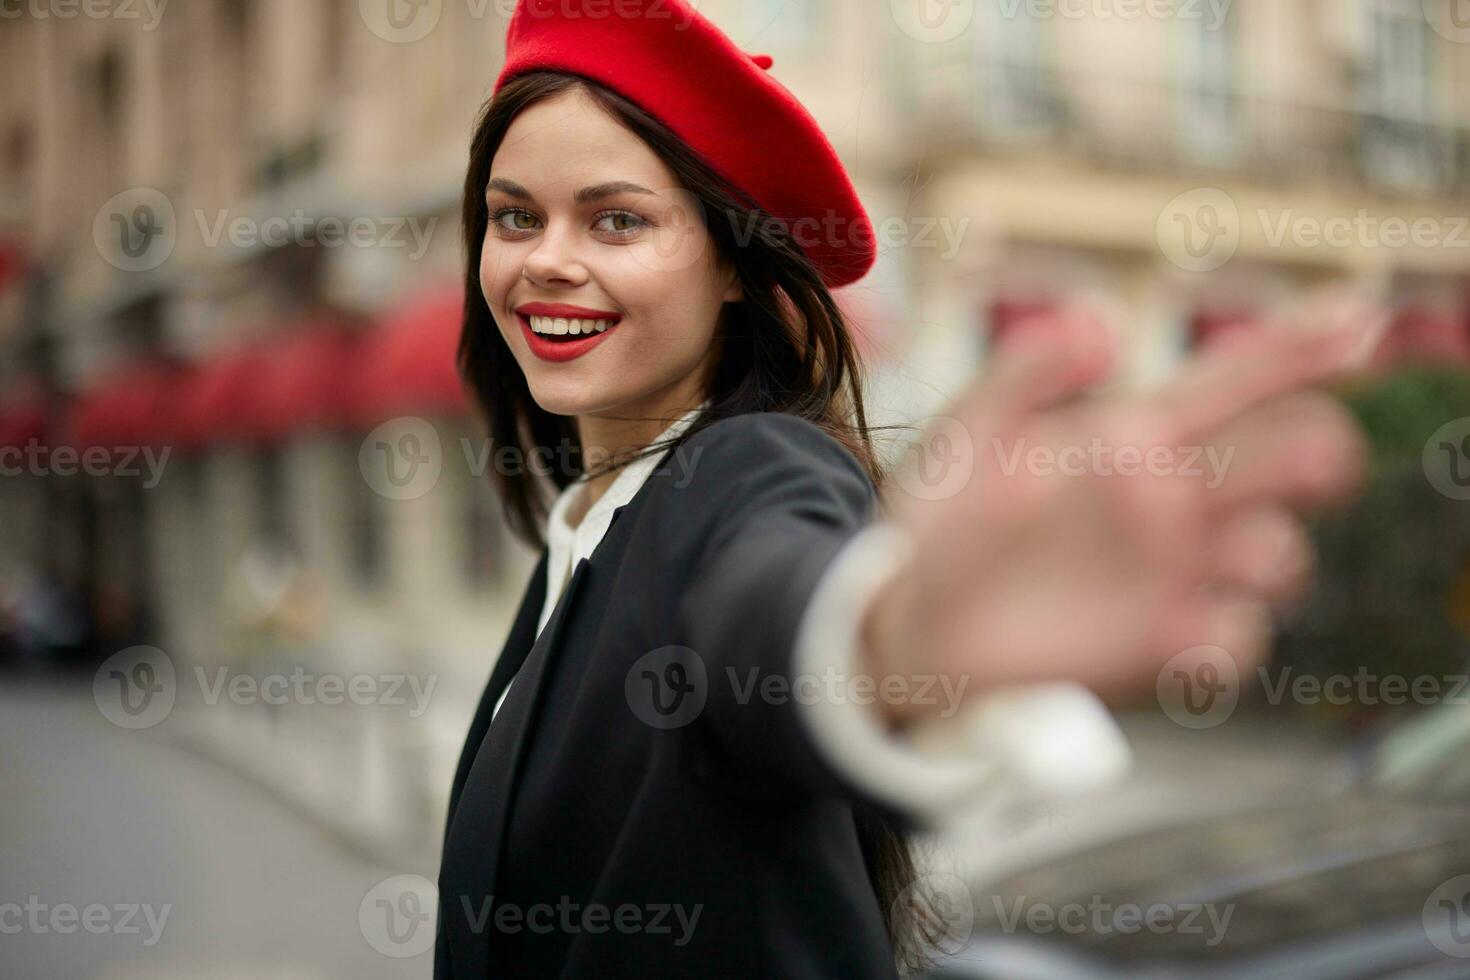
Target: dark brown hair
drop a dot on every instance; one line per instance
(785, 347)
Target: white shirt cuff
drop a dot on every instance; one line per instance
(1006, 745)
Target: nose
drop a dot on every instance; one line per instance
(554, 260)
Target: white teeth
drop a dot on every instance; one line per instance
(565, 325)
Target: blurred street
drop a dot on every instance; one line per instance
(119, 818)
(255, 888)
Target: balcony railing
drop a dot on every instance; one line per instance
(1150, 124)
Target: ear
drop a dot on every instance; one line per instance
(734, 291)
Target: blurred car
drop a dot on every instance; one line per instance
(1372, 882)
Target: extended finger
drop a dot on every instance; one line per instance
(1263, 553)
(1232, 628)
(1046, 360)
(1304, 450)
(1275, 360)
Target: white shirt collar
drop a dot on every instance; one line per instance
(567, 545)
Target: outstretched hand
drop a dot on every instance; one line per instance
(1099, 535)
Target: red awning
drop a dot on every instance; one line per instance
(213, 400)
(304, 384)
(132, 406)
(407, 363)
(22, 417)
(13, 262)
(1423, 334)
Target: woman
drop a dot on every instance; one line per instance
(644, 791)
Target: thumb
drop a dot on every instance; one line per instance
(1042, 361)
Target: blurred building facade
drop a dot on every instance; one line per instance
(1174, 158)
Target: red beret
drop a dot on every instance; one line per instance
(670, 60)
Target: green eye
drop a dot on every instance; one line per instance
(514, 214)
(632, 222)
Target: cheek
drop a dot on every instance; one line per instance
(496, 271)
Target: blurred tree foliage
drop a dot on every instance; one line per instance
(1402, 410)
(1394, 568)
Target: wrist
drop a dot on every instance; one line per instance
(880, 650)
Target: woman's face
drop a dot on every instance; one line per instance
(586, 223)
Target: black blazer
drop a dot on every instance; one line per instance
(627, 815)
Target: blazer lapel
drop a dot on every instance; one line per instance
(472, 851)
(512, 655)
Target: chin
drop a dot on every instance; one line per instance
(564, 400)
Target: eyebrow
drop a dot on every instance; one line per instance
(592, 192)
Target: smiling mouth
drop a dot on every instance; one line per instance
(560, 329)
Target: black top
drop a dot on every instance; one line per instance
(638, 809)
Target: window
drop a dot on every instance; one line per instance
(1401, 146)
(1019, 93)
(1207, 88)
(272, 501)
(107, 87)
(363, 526)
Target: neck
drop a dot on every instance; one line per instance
(626, 430)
